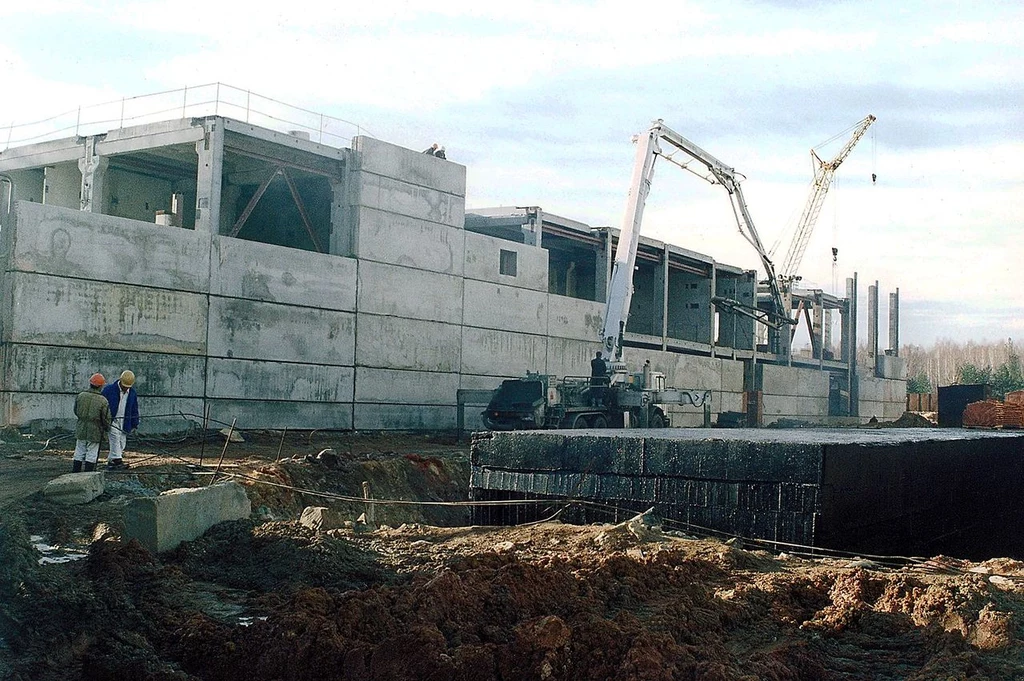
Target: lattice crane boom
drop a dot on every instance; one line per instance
(824, 171)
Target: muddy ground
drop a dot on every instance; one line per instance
(427, 597)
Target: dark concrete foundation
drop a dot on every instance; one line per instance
(891, 492)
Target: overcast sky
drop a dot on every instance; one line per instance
(540, 101)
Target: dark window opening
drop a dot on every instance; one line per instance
(507, 264)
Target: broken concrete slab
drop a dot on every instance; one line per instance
(179, 515)
(75, 488)
(321, 518)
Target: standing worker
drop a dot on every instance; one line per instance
(93, 414)
(124, 406)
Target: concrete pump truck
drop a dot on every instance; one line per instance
(622, 398)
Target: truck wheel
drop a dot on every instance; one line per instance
(598, 421)
(657, 419)
(579, 421)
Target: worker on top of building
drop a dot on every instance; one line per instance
(432, 149)
(124, 407)
(440, 153)
(93, 414)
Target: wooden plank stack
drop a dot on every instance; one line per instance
(994, 414)
(1016, 397)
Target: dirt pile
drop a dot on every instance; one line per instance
(272, 599)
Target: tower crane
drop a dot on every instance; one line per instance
(824, 171)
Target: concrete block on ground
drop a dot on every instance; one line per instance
(414, 344)
(75, 488)
(390, 160)
(67, 242)
(245, 329)
(99, 314)
(497, 306)
(321, 518)
(400, 291)
(255, 271)
(390, 238)
(162, 523)
(483, 262)
(505, 353)
(574, 318)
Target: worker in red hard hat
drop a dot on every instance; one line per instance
(93, 414)
(124, 408)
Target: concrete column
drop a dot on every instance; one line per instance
(894, 323)
(343, 221)
(849, 343)
(873, 328)
(817, 326)
(533, 228)
(661, 297)
(208, 181)
(711, 309)
(94, 173)
(603, 267)
(826, 335)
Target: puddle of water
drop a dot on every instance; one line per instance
(54, 554)
(247, 621)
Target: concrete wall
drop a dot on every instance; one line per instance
(277, 337)
(881, 398)
(793, 393)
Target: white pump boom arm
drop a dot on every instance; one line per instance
(620, 289)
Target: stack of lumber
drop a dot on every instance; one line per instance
(994, 414)
(1016, 397)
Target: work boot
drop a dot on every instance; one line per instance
(90, 466)
(116, 464)
(76, 466)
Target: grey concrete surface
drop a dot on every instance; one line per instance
(385, 237)
(75, 488)
(162, 523)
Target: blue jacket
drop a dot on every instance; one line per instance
(112, 391)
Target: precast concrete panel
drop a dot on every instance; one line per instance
(246, 329)
(390, 386)
(567, 357)
(478, 382)
(56, 410)
(891, 367)
(265, 272)
(402, 417)
(72, 243)
(574, 318)
(410, 242)
(686, 372)
(256, 414)
(59, 311)
(732, 376)
(790, 406)
(501, 353)
(394, 343)
(403, 198)
(47, 368)
(414, 294)
(783, 380)
(882, 390)
(390, 160)
(483, 262)
(278, 381)
(883, 411)
(506, 308)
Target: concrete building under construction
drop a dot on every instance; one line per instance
(250, 274)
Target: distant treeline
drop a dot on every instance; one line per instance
(947, 363)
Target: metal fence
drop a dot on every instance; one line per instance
(212, 99)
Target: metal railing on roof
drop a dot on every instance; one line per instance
(212, 99)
